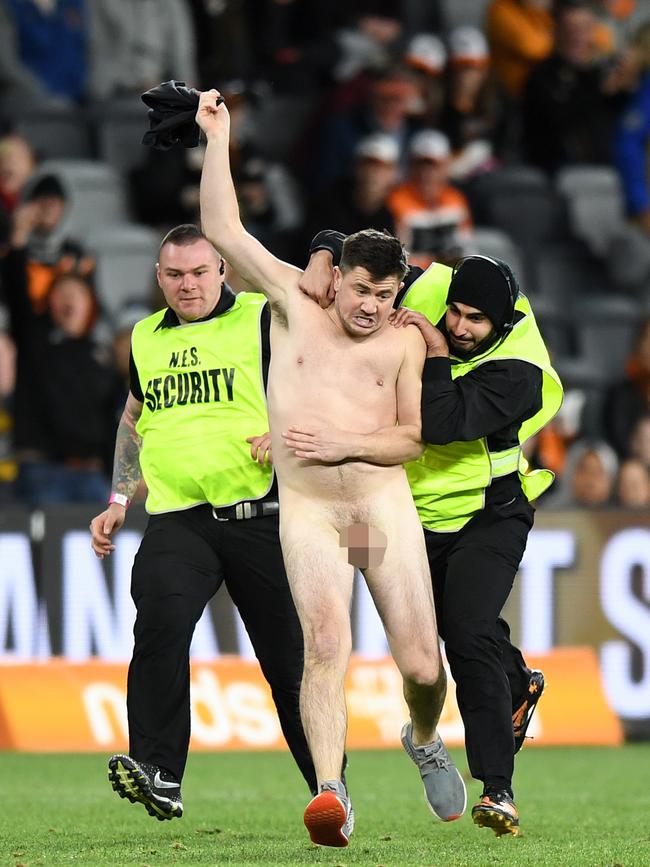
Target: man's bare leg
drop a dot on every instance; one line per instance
(401, 589)
(321, 582)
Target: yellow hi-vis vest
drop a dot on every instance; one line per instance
(203, 395)
(448, 482)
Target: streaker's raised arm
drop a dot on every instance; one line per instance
(220, 218)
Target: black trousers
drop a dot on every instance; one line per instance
(473, 571)
(182, 561)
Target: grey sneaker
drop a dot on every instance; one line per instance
(443, 785)
(329, 816)
(142, 783)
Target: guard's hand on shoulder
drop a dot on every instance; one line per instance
(317, 280)
(434, 338)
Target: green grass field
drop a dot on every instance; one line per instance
(578, 807)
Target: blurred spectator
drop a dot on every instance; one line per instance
(549, 447)
(571, 99)
(36, 246)
(640, 440)
(633, 485)
(269, 205)
(165, 190)
(64, 406)
(432, 218)
(627, 401)
(223, 41)
(121, 344)
(632, 139)
(521, 35)
(43, 50)
(8, 467)
(589, 477)
(619, 19)
(293, 43)
(370, 44)
(123, 326)
(17, 162)
(359, 201)
(386, 110)
(473, 115)
(136, 44)
(426, 56)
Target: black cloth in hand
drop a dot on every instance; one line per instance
(172, 109)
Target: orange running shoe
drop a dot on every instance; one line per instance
(329, 816)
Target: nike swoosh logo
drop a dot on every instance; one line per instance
(163, 784)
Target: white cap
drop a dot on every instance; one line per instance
(378, 146)
(429, 144)
(468, 45)
(426, 51)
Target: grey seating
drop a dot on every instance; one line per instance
(553, 320)
(55, 132)
(595, 203)
(566, 270)
(495, 243)
(96, 194)
(458, 13)
(126, 254)
(606, 328)
(580, 374)
(280, 120)
(530, 217)
(119, 127)
(520, 179)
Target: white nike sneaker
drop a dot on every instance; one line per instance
(142, 783)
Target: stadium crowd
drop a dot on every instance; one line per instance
(515, 128)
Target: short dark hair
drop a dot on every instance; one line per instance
(49, 186)
(183, 236)
(380, 253)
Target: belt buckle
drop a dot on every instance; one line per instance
(243, 511)
(216, 517)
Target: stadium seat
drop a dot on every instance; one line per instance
(595, 203)
(513, 179)
(580, 374)
(281, 120)
(553, 321)
(463, 13)
(606, 328)
(531, 218)
(628, 261)
(96, 194)
(119, 127)
(493, 242)
(126, 255)
(55, 133)
(566, 270)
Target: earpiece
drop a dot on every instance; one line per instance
(511, 281)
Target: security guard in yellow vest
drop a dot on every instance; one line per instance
(488, 386)
(197, 394)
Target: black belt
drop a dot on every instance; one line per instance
(243, 511)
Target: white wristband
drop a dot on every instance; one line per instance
(121, 499)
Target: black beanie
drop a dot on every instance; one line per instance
(482, 283)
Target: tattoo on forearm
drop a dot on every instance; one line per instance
(126, 465)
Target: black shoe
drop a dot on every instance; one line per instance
(523, 714)
(141, 783)
(496, 810)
